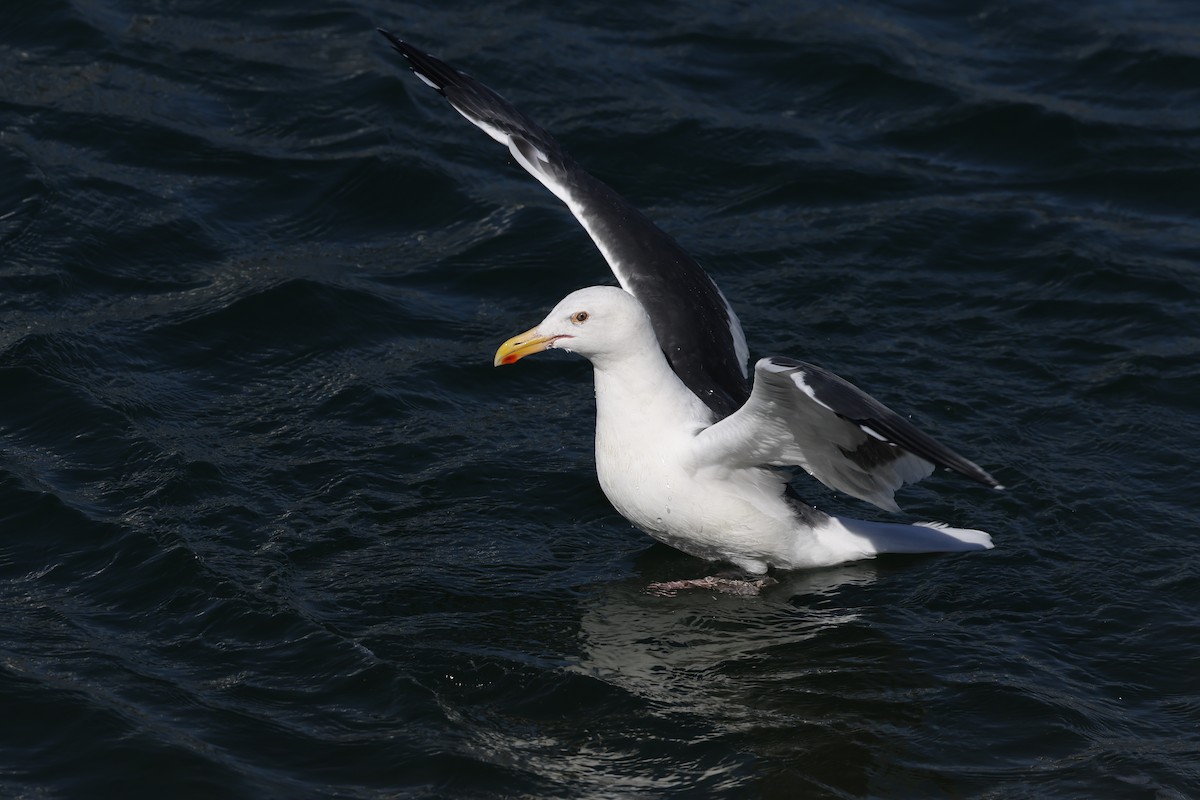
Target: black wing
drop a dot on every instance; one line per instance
(800, 414)
(696, 328)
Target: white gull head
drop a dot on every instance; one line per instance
(600, 323)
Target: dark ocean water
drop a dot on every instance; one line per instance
(271, 526)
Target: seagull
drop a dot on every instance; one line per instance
(690, 447)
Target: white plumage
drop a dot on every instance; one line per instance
(711, 489)
(686, 448)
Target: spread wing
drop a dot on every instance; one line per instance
(696, 328)
(801, 415)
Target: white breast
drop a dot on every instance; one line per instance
(645, 467)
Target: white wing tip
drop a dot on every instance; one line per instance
(426, 80)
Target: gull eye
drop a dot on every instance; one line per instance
(579, 317)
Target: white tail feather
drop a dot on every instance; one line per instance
(848, 536)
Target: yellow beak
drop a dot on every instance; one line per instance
(521, 345)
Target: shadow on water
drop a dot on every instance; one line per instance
(680, 653)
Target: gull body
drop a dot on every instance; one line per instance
(691, 481)
(690, 447)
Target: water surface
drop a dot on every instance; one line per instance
(272, 526)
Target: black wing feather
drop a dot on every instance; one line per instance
(690, 318)
(853, 404)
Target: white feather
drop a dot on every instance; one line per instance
(710, 490)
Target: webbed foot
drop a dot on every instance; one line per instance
(741, 585)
